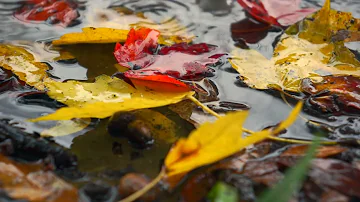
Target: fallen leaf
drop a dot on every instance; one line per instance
(321, 152)
(22, 64)
(93, 35)
(77, 93)
(301, 56)
(52, 11)
(337, 175)
(102, 109)
(276, 12)
(31, 182)
(321, 26)
(211, 142)
(294, 59)
(334, 94)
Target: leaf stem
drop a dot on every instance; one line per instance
(292, 141)
(145, 189)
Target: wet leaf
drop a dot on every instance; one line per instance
(303, 56)
(335, 174)
(222, 192)
(294, 59)
(334, 94)
(52, 11)
(326, 23)
(321, 152)
(105, 97)
(23, 65)
(77, 93)
(276, 12)
(210, 142)
(180, 61)
(284, 190)
(31, 182)
(93, 35)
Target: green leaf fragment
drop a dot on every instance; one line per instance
(222, 192)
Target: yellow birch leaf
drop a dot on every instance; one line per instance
(212, 142)
(106, 109)
(76, 93)
(93, 35)
(22, 64)
(67, 127)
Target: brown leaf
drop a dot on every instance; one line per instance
(322, 152)
(31, 182)
(334, 94)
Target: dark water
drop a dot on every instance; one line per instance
(209, 20)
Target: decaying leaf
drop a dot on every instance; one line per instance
(334, 94)
(33, 183)
(22, 63)
(211, 142)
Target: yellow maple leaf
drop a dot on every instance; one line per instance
(212, 142)
(66, 127)
(22, 64)
(294, 59)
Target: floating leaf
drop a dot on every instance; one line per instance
(294, 59)
(211, 142)
(22, 63)
(93, 35)
(321, 152)
(283, 191)
(276, 12)
(103, 109)
(52, 11)
(76, 93)
(32, 182)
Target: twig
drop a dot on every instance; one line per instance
(145, 189)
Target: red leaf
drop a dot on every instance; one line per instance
(157, 65)
(54, 11)
(156, 81)
(276, 12)
(137, 50)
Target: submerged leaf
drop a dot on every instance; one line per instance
(67, 127)
(32, 182)
(214, 141)
(22, 63)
